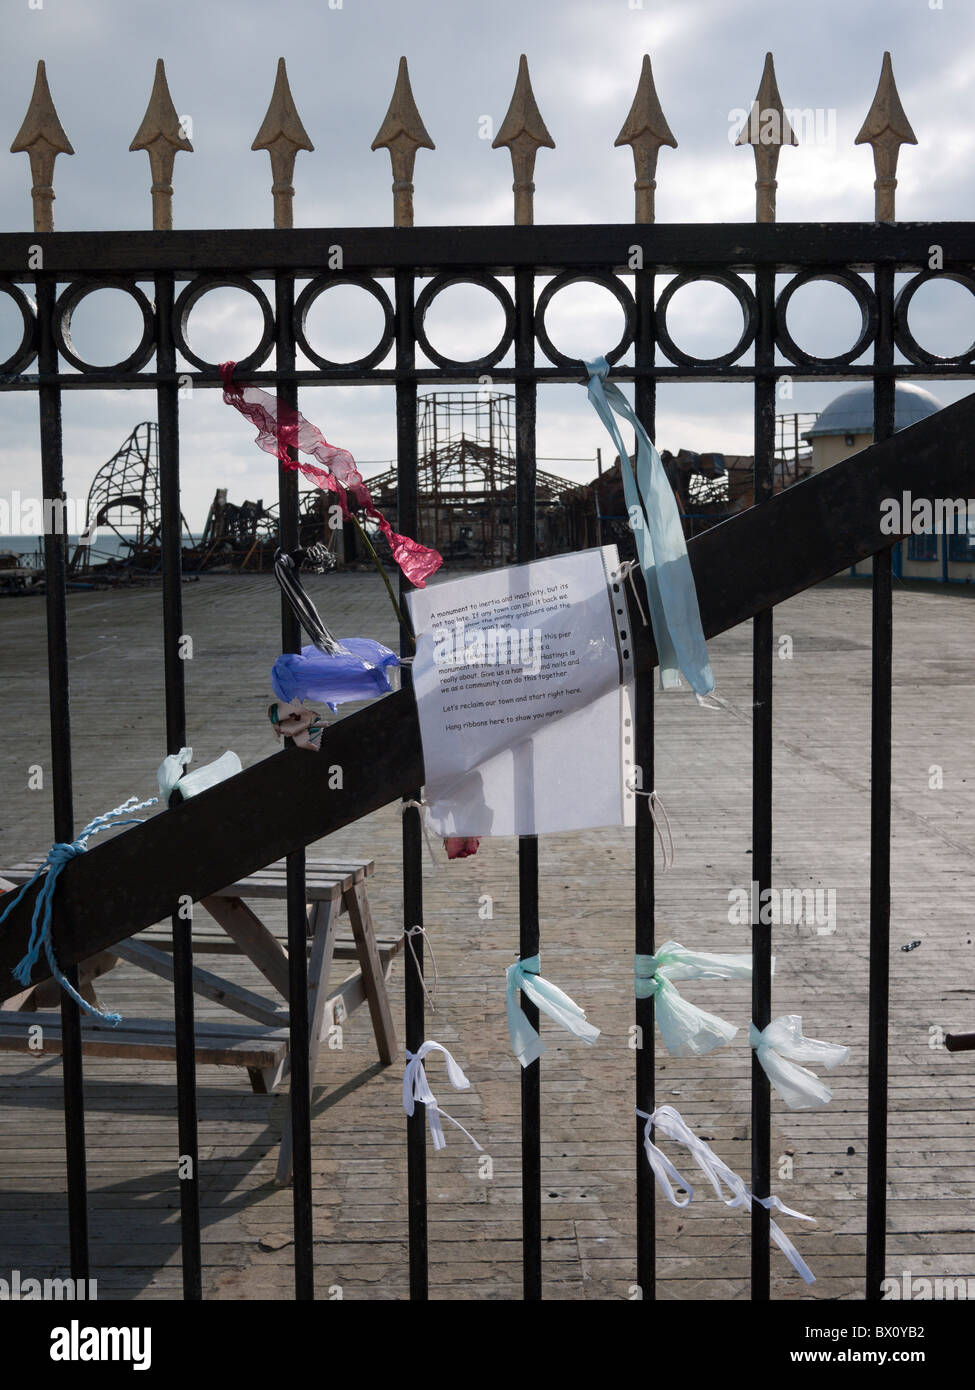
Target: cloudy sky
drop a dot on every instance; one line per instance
(585, 58)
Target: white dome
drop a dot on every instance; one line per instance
(852, 412)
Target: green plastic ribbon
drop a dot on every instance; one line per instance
(686, 1029)
(549, 999)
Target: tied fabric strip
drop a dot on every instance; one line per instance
(416, 1087)
(58, 855)
(280, 427)
(525, 1041)
(672, 1124)
(686, 1030)
(172, 775)
(304, 726)
(780, 1046)
(660, 544)
(289, 580)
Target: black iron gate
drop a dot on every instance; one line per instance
(183, 267)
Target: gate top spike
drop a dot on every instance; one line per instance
(402, 133)
(524, 132)
(645, 129)
(161, 134)
(42, 137)
(282, 135)
(886, 128)
(766, 130)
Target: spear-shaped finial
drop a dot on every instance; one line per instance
(767, 129)
(161, 134)
(646, 129)
(282, 135)
(886, 129)
(524, 132)
(402, 133)
(43, 138)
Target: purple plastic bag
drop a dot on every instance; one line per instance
(358, 673)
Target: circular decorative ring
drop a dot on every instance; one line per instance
(27, 350)
(317, 287)
(68, 303)
(191, 296)
(617, 289)
(746, 301)
(485, 282)
(903, 336)
(866, 302)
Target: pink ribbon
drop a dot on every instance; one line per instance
(459, 847)
(279, 427)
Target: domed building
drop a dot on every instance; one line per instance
(846, 425)
(844, 428)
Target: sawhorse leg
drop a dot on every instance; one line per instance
(322, 923)
(373, 979)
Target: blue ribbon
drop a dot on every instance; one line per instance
(526, 1043)
(660, 543)
(58, 855)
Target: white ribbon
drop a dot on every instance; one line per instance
(416, 1087)
(780, 1046)
(525, 1041)
(170, 771)
(686, 1030)
(172, 774)
(671, 1123)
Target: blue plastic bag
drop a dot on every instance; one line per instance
(357, 671)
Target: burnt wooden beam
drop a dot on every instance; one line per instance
(743, 566)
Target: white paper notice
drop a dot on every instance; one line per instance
(522, 680)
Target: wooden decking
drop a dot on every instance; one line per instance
(822, 708)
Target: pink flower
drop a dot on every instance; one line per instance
(460, 848)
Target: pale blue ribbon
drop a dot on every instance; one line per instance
(58, 855)
(671, 1123)
(780, 1046)
(525, 1042)
(686, 1029)
(660, 543)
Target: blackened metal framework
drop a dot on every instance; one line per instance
(743, 568)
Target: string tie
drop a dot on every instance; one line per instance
(422, 931)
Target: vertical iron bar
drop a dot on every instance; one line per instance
(408, 520)
(528, 943)
(301, 1079)
(762, 790)
(55, 566)
(645, 400)
(880, 769)
(167, 405)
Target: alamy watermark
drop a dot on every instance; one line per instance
(45, 516)
(18, 1289)
(461, 645)
(926, 516)
(814, 907)
(811, 125)
(908, 1286)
